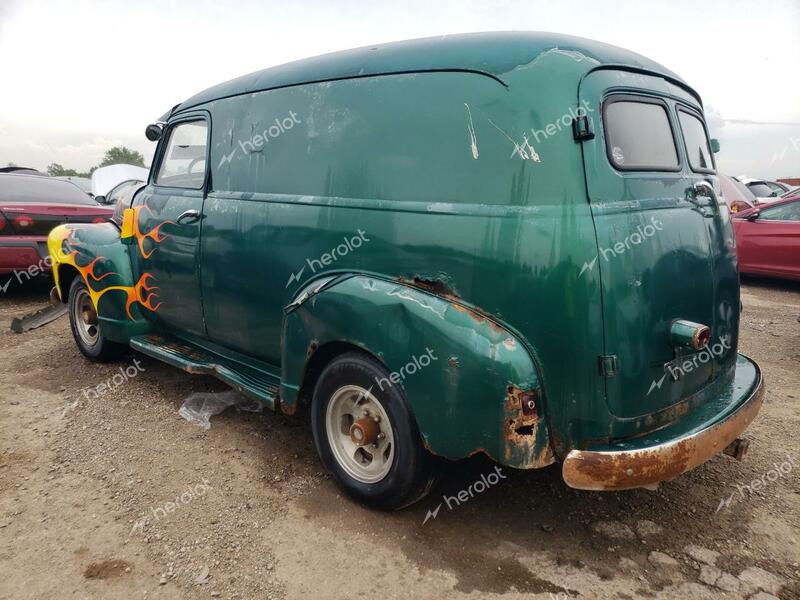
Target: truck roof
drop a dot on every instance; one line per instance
(491, 53)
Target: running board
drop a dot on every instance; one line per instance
(188, 357)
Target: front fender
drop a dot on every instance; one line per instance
(467, 396)
(96, 253)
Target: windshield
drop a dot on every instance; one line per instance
(795, 191)
(18, 189)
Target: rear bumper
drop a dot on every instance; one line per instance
(19, 253)
(667, 453)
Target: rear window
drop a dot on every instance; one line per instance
(762, 190)
(698, 147)
(23, 189)
(639, 136)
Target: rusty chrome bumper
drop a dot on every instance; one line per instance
(618, 468)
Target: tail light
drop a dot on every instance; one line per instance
(99, 219)
(23, 222)
(3, 222)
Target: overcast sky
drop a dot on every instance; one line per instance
(80, 76)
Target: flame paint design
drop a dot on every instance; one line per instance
(154, 234)
(65, 251)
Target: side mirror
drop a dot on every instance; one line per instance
(714, 145)
(153, 132)
(100, 199)
(753, 216)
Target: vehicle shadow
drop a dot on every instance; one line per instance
(769, 283)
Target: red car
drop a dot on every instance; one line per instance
(768, 239)
(30, 206)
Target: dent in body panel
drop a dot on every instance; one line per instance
(468, 388)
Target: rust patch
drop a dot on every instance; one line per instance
(286, 408)
(621, 470)
(434, 286)
(479, 316)
(312, 347)
(439, 288)
(523, 447)
(453, 362)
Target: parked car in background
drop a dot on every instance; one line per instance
(792, 193)
(125, 199)
(109, 182)
(736, 194)
(428, 285)
(23, 171)
(84, 183)
(768, 239)
(119, 191)
(30, 206)
(762, 190)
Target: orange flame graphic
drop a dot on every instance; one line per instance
(154, 234)
(64, 251)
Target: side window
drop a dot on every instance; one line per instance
(784, 212)
(184, 160)
(639, 135)
(698, 148)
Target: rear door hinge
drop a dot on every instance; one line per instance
(608, 365)
(582, 128)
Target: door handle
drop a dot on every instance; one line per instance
(704, 188)
(188, 217)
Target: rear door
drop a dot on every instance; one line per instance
(663, 249)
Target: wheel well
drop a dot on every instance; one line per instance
(66, 274)
(321, 356)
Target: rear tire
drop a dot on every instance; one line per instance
(379, 463)
(85, 326)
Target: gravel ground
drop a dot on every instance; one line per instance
(111, 494)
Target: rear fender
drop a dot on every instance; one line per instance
(464, 373)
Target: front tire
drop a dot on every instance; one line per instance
(85, 326)
(367, 437)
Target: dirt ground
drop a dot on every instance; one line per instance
(114, 495)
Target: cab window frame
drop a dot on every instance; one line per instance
(640, 99)
(682, 108)
(163, 145)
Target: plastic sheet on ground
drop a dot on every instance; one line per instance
(199, 407)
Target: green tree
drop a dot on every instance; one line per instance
(56, 170)
(122, 155)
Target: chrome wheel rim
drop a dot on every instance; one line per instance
(360, 434)
(84, 316)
